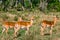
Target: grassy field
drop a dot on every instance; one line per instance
(34, 32)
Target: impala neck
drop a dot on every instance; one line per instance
(31, 21)
(55, 20)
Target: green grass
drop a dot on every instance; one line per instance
(34, 32)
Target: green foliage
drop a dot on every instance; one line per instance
(35, 3)
(4, 16)
(19, 6)
(27, 4)
(54, 4)
(15, 18)
(6, 5)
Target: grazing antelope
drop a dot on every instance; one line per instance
(46, 23)
(23, 24)
(6, 25)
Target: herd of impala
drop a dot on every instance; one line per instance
(27, 24)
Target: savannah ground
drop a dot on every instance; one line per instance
(34, 32)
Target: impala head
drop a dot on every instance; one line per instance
(55, 19)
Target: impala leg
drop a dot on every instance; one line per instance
(51, 30)
(6, 30)
(16, 30)
(43, 26)
(27, 31)
(42, 31)
(3, 30)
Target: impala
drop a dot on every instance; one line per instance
(46, 23)
(23, 24)
(6, 25)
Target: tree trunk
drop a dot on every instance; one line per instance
(30, 3)
(43, 5)
(22, 4)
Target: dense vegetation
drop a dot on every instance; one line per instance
(20, 5)
(12, 9)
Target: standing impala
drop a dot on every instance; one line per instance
(23, 24)
(46, 23)
(6, 25)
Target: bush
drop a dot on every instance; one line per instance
(15, 18)
(54, 4)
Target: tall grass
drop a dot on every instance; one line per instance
(34, 32)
